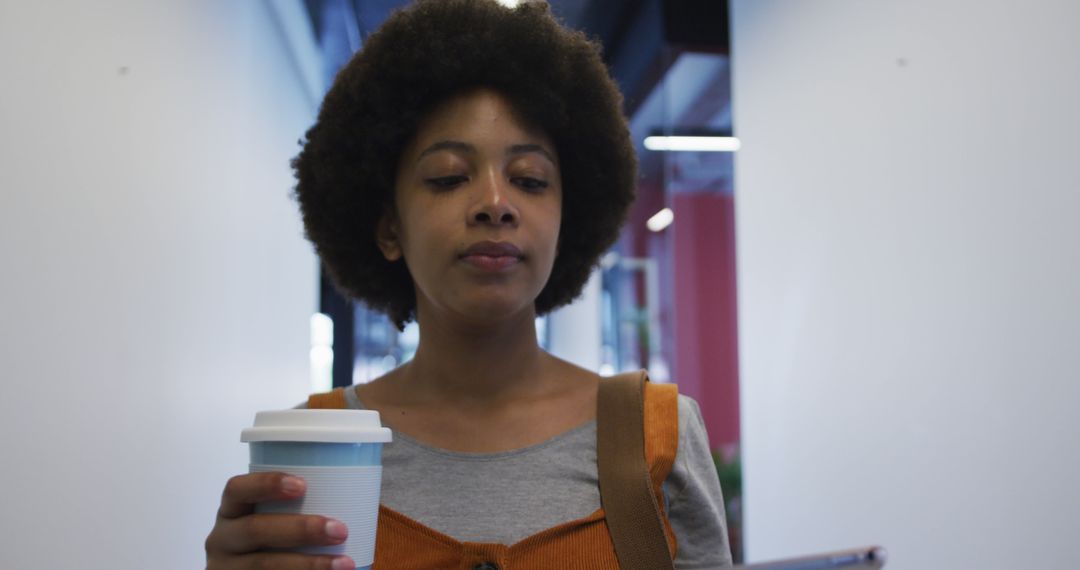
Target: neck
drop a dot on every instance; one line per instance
(468, 362)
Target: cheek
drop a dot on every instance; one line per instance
(552, 236)
(556, 235)
(556, 226)
(424, 234)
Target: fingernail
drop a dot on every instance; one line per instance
(343, 563)
(336, 530)
(292, 485)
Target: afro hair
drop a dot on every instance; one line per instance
(423, 55)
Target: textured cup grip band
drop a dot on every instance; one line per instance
(348, 494)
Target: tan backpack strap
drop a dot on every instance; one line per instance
(626, 492)
(334, 399)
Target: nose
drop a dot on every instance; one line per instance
(494, 204)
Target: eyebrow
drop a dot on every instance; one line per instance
(513, 150)
(527, 148)
(446, 145)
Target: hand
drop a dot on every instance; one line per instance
(240, 537)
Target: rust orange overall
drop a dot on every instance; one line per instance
(582, 544)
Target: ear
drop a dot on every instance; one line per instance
(387, 236)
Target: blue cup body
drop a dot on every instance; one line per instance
(315, 454)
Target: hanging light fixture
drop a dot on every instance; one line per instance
(692, 143)
(660, 220)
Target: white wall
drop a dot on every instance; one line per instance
(156, 287)
(575, 330)
(908, 211)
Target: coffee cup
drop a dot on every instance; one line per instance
(338, 453)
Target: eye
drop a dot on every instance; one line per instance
(446, 182)
(529, 184)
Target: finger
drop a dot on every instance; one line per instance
(255, 532)
(290, 561)
(243, 491)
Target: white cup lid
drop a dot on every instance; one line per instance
(322, 426)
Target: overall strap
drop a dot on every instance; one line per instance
(626, 492)
(334, 399)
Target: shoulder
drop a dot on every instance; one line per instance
(681, 413)
(570, 379)
(692, 448)
(693, 454)
(383, 390)
(691, 423)
(694, 499)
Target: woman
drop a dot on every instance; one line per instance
(467, 170)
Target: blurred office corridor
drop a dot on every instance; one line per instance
(899, 224)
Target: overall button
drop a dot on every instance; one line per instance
(486, 566)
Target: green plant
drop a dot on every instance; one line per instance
(729, 470)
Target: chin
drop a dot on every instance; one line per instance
(491, 311)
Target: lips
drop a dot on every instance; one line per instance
(493, 249)
(492, 256)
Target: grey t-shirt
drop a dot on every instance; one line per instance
(504, 497)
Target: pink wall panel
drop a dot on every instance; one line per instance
(706, 365)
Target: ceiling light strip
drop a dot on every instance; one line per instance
(692, 144)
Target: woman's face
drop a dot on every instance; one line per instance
(478, 208)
